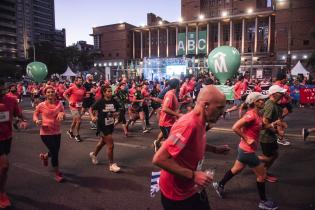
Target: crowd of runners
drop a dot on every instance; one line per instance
(184, 109)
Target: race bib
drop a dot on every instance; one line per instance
(126, 106)
(4, 116)
(109, 121)
(78, 104)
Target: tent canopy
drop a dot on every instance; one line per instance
(299, 69)
(69, 73)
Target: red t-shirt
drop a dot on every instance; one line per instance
(145, 92)
(12, 95)
(252, 130)
(98, 93)
(170, 101)
(132, 92)
(76, 96)
(8, 108)
(49, 112)
(286, 98)
(186, 144)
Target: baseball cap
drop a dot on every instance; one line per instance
(276, 89)
(254, 96)
(88, 75)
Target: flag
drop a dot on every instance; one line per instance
(155, 178)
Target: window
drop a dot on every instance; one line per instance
(306, 42)
(117, 54)
(109, 55)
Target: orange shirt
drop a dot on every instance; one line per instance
(49, 113)
(76, 96)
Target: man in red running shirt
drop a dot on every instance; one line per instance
(8, 109)
(74, 95)
(182, 181)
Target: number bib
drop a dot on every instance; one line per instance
(4, 116)
(78, 104)
(109, 121)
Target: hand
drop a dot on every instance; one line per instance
(38, 122)
(23, 124)
(250, 141)
(222, 149)
(180, 115)
(202, 179)
(61, 116)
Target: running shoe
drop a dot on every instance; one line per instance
(77, 138)
(92, 126)
(147, 130)
(114, 168)
(224, 114)
(16, 126)
(59, 177)
(268, 204)
(218, 188)
(44, 158)
(4, 201)
(70, 134)
(93, 158)
(283, 142)
(305, 133)
(156, 144)
(271, 178)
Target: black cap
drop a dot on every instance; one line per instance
(173, 83)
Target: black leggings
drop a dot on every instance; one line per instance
(52, 142)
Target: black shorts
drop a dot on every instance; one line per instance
(136, 108)
(87, 102)
(248, 158)
(122, 116)
(5, 146)
(105, 130)
(155, 106)
(269, 149)
(165, 131)
(288, 106)
(198, 201)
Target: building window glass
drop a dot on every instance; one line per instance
(306, 42)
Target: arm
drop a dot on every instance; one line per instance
(269, 126)
(237, 128)
(36, 116)
(66, 93)
(171, 112)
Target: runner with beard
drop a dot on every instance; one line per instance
(74, 95)
(8, 109)
(103, 112)
(14, 94)
(52, 113)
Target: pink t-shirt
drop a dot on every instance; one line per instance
(49, 113)
(286, 98)
(186, 144)
(252, 130)
(170, 101)
(76, 96)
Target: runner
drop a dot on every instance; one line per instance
(182, 181)
(145, 105)
(74, 95)
(8, 109)
(122, 99)
(248, 128)
(52, 113)
(106, 109)
(169, 112)
(88, 99)
(268, 138)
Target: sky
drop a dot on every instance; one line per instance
(78, 17)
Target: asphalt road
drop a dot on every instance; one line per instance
(31, 186)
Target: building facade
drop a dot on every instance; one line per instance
(24, 23)
(269, 34)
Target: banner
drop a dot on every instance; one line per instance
(227, 90)
(307, 95)
(191, 43)
(202, 43)
(181, 44)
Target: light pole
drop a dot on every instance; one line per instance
(34, 52)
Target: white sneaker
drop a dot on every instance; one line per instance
(93, 158)
(283, 142)
(114, 168)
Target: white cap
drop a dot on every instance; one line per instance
(276, 89)
(254, 96)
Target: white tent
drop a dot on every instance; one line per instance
(299, 69)
(69, 73)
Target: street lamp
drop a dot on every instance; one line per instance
(160, 22)
(201, 17)
(224, 14)
(250, 10)
(180, 19)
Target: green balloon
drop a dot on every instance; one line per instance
(224, 62)
(37, 71)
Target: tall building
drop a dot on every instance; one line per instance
(8, 29)
(24, 23)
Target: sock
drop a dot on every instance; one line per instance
(261, 190)
(228, 175)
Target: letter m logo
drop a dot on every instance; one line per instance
(219, 62)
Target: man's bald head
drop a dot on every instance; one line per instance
(209, 94)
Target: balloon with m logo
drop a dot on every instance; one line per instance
(37, 71)
(224, 62)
